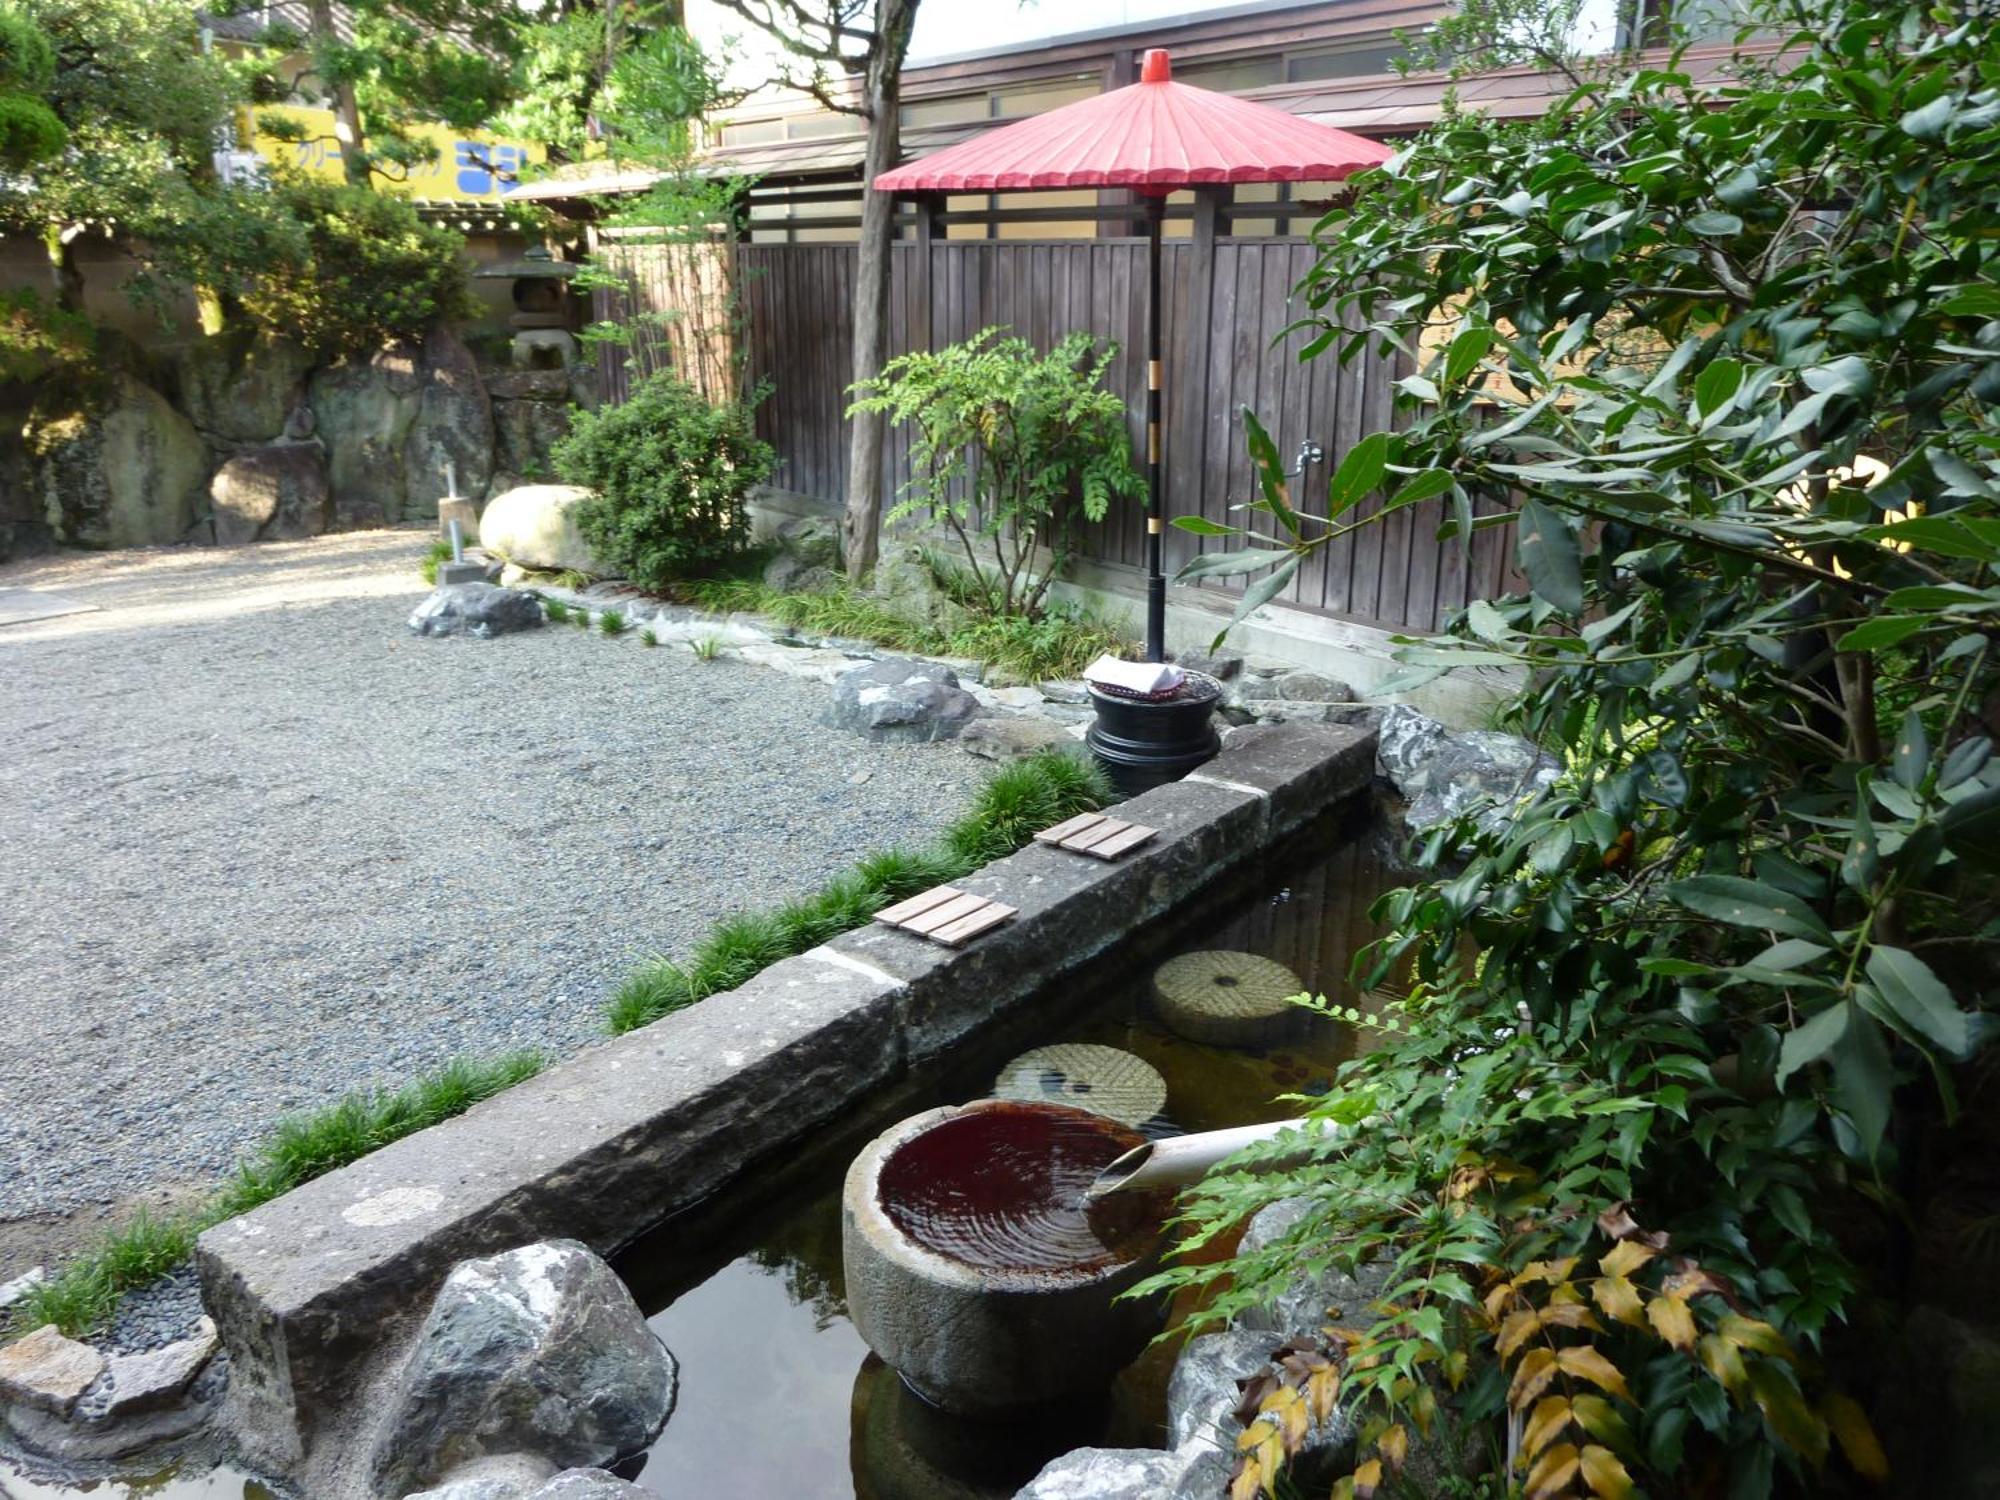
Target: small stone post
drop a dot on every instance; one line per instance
(452, 508)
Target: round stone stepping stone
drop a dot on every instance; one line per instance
(1084, 1075)
(1228, 999)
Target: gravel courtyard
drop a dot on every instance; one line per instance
(263, 846)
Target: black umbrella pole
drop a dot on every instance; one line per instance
(1156, 581)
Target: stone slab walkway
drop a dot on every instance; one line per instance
(263, 846)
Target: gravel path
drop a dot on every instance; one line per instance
(263, 846)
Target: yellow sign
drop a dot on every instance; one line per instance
(468, 168)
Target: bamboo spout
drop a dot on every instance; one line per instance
(1182, 1159)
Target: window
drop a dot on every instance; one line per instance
(1229, 77)
(955, 110)
(1348, 62)
(752, 132)
(820, 126)
(1033, 99)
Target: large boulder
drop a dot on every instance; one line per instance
(540, 1350)
(1193, 1472)
(525, 431)
(239, 386)
(534, 525)
(276, 491)
(1311, 1299)
(363, 408)
(478, 609)
(1017, 737)
(1444, 774)
(453, 425)
(898, 698)
(126, 472)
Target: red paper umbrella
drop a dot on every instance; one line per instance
(1153, 136)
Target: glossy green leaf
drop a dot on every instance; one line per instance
(1202, 526)
(1359, 473)
(1746, 903)
(1228, 564)
(1920, 999)
(1465, 353)
(1717, 385)
(1882, 632)
(1911, 760)
(1548, 552)
(1811, 1041)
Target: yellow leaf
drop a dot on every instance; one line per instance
(1343, 1488)
(1552, 1473)
(1394, 1446)
(1551, 1271)
(1367, 1479)
(1856, 1436)
(1251, 1436)
(1604, 1474)
(1289, 1408)
(1587, 1363)
(1619, 1299)
(1515, 1331)
(1795, 1424)
(1626, 1257)
(1456, 1364)
(1672, 1321)
(1749, 1333)
(1723, 1362)
(1245, 1483)
(1531, 1377)
(1601, 1420)
(1570, 1313)
(1322, 1391)
(1545, 1425)
(1424, 1406)
(1564, 1294)
(1498, 1298)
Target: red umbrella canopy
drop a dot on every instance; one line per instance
(1155, 135)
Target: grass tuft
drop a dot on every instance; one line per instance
(85, 1295)
(1015, 803)
(612, 622)
(1060, 644)
(649, 637)
(556, 610)
(706, 647)
(440, 552)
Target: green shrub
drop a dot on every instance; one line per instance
(340, 269)
(439, 553)
(1015, 803)
(1010, 446)
(671, 473)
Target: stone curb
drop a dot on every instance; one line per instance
(307, 1288)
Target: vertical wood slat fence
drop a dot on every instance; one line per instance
(1227, 301)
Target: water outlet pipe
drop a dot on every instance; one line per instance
(1181, 1159)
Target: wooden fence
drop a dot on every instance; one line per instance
(1227, 301)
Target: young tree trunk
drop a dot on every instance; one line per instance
(346, 108)
(860, 526)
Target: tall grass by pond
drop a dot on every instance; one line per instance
(85, 1295)
(1017, 802)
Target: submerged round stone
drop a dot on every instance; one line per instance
(1002, 1188)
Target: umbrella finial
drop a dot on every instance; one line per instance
(1157, 66)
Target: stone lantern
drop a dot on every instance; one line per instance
(541, 319)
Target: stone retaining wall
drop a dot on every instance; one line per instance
(311, 1290)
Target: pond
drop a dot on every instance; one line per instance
(779, 1396)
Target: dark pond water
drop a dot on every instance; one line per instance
(779, 1396)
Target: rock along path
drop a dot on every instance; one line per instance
(263, 846)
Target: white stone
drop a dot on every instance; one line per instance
(47, 1371)
(535, 525)
(141, 1382)
(20, 1286)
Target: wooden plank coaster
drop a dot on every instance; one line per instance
(1070, 827)
(1095, 834)
(918, 904)
(946, 915)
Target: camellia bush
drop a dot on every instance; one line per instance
(1011, 446)
(672, 472)
(1685, 1035)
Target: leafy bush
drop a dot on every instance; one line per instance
(341, 269)
(1010, 445)
(1018, 800)
(1683, 1048)
(671, 474)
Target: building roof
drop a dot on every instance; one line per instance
(1379, 105)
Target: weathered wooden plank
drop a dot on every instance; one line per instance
(918, 904)
(970, 926)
